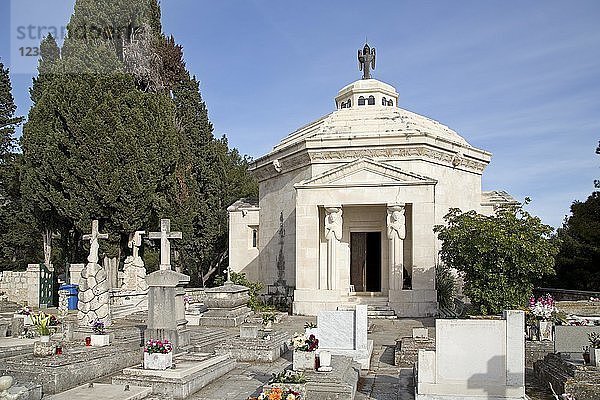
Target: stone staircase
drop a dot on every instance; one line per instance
(377, 305)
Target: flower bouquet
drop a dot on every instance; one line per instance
(304, 351)
(544, 311)
(278, 393)
(99, 337)
(158, 354)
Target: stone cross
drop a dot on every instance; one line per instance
(94, 245)
(165, 246)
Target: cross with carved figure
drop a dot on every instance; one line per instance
(93, 238)
(165, 246)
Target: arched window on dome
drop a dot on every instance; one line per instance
(349, 103)
(343, 104)
(361, 101)
(384, 102)
(371, 100)
(390, 103)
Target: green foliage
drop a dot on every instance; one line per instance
(18, 240)
(578, 261)
(8, 121)
(288, 376)
(445, 286)
(255, 303)
(119, 132)
(500, 256)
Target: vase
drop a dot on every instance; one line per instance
(595, 357)
(303, 360)
(545, 330)
(43, 349)
(158, 360)
(325, 358)
(100, 340)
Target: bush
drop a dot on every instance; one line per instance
(501, 255)
(445, 286)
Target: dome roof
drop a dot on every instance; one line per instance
(369, 107)
(374, 121)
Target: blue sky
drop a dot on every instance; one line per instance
(520, 79)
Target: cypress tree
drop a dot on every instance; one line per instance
(17, 241)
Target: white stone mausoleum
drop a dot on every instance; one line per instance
(347, 205)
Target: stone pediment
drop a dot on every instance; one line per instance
(365, 172)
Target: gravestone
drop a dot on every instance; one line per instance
(166, 308)
(93, 297)
(166, 311)
(75, 273)
(227, 305)
(570, 340)
(248, 331)
(134, 272)
(345, 333)
(474, 359)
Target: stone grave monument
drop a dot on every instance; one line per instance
(132, 295)
(345, 333)
(166, 309)
(227, 305)
(253, 345)
(93, 298)
(134, 272)
(166, 320)
(474, 359)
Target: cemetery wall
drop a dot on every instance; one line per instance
(22, 286)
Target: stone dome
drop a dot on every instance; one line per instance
(380, 117)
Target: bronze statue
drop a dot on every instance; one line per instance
(366, 61)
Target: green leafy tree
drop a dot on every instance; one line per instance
(578, 262)
(499, 256)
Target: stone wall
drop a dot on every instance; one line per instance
(22, 286)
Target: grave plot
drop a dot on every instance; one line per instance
(253, 345)
(568, 375)
(191, 373)
(77, 365)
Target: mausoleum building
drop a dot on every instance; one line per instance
(347, 204)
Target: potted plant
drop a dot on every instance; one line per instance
(44, 325)
(543, 310)
(304, 351)
(158, 354)
(594, 339)
(99, 338)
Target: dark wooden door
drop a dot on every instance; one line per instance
(358, 259)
